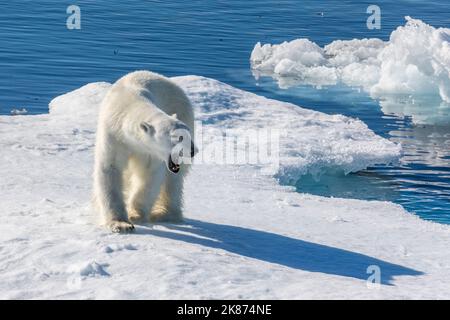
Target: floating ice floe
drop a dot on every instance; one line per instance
(409, 74)
(18, 112)
(245, 235)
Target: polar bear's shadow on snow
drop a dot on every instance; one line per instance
(279, 249)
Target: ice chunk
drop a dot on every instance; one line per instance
(411, 70)
(18, 112)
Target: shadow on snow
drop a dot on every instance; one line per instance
(282, 250)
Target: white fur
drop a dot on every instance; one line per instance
(131, 179)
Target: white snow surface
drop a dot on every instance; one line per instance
(409, 73)
(245, 235)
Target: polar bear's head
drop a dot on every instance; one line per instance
(169, 140)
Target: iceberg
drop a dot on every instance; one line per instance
(409, 73)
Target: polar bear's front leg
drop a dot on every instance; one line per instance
(170, 202)
(145, 185)
(108, 184)
(109, 198)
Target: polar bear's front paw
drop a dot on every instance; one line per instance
(117, 226)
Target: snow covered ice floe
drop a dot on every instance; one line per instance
(409, 74)
(245, 236)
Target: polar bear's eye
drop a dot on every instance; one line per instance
(180, 139)
(147, 128)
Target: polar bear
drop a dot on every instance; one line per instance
(143, 151)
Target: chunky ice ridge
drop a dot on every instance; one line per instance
(310, 141)
(353, 62)
(410, 69)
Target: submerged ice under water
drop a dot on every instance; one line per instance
(40, 59)
(420, 182)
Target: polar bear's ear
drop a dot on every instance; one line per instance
(174, 116)
(148, 128)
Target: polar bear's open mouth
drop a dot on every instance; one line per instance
(172, 166)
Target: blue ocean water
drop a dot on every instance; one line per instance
(40, 59)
